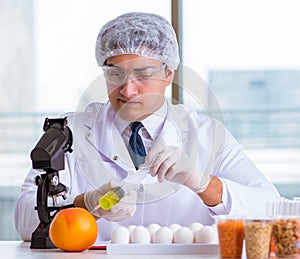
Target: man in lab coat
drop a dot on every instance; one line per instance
(189, 167)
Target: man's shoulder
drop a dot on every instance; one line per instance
(190, 115)
(186, 112)
(89, 112)
(94, 107)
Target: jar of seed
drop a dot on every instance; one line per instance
(285, 233)
(258, 238)
(231, 236)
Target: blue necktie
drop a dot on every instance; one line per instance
(136, 146)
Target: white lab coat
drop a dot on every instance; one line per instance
(100, 155)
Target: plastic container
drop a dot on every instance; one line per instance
(286, 226)
(231, 236)
(286, 236)
(258, 234)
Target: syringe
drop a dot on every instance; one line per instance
(112, 197)
(115, 194)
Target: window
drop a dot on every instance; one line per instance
(248, 54)
(47, 63)
(244, 56)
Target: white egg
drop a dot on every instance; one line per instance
(164, 236)
(120, 235)
(195, 227)
(214, 226)
(130, 228)
(152, 228)
(174, 227)
(207, 234)
(140, 235)
(183, 235)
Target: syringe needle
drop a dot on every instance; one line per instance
(96, 208)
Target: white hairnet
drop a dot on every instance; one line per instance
(145, 34)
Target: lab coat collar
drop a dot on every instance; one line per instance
(174, 127)
(108, 139)
(154, 123)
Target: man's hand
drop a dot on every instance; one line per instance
(123, 210)
(172, 164)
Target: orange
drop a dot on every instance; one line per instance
(73, 230)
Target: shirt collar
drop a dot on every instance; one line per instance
(120, 123)
(153, 123)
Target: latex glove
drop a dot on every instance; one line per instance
(123, 210)
(172, 164)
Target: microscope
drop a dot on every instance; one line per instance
(49, 155)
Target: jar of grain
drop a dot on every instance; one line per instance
(258, 238)
(286, 235)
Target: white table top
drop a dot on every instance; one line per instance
(19, 249)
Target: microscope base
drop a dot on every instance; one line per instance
(40, 238)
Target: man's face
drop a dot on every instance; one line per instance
(136, 85)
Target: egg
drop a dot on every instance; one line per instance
(140, 235)
(164, 235)
(195, 227)
(183, 235)
(174, 227)
(207, 234)
(152, 228)
(120, 235)
(130, 228)
(214, 226)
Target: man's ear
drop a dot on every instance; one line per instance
(169, 77)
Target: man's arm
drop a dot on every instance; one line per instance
(212, 195)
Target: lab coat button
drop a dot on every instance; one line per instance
(115, 158)
(183, 139)
(141, 188)
(88, 135)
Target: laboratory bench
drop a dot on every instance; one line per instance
(20, 249)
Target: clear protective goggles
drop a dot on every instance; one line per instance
(118, 76)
